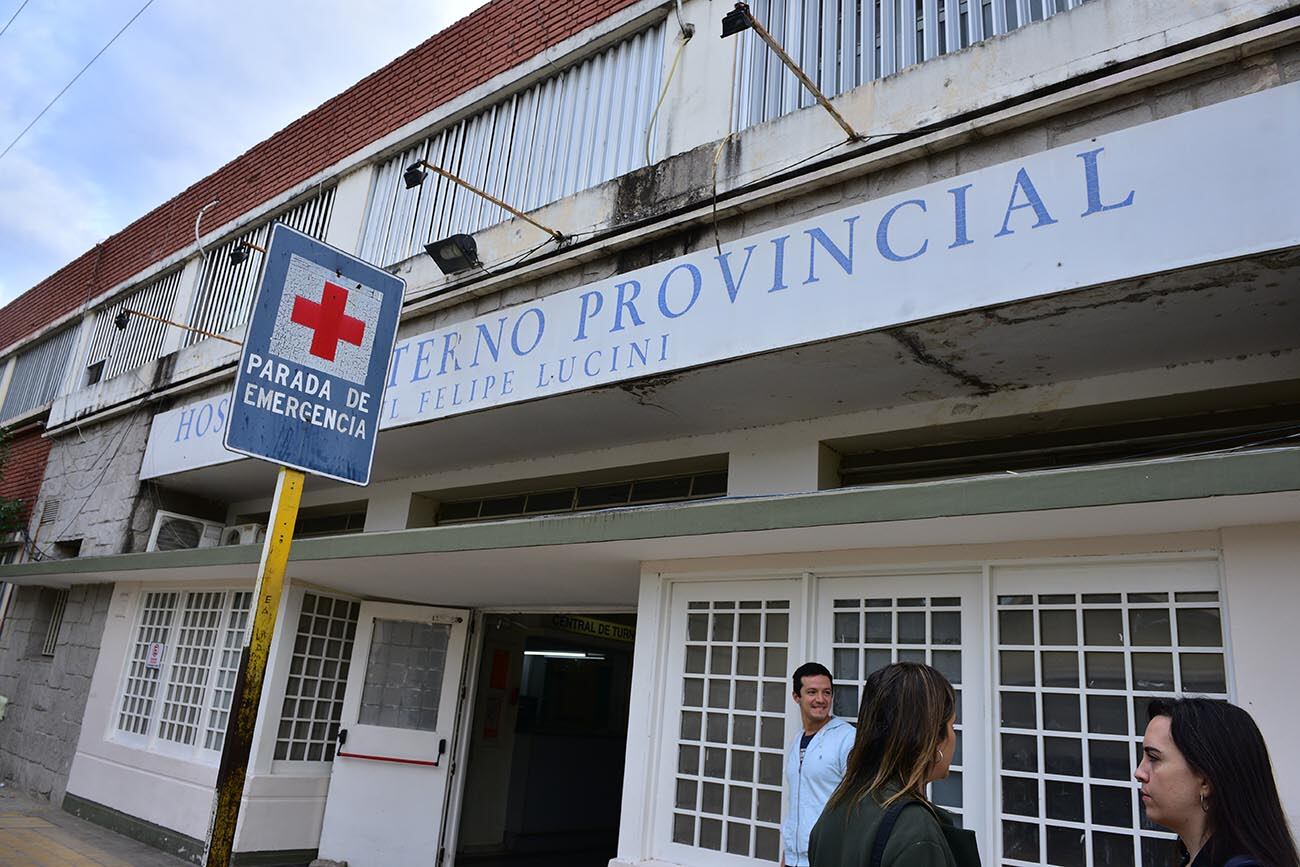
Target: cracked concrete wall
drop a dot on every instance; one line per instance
(47, 694)
(94, 474)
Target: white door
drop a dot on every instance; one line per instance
(866, 622)
(389, 782)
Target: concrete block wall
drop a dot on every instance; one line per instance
(94, 474)
(47, 694)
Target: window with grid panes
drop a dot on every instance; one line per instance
(318, 674)
(731, 738)
(142, 678)
(182, 695)
(872, 632)
(223, 688)
(1075, 672)
(194, 641)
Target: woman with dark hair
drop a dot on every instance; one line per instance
(905, 739)
(1206, 776)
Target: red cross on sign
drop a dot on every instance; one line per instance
(328, 321)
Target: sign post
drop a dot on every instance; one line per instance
(307, 396)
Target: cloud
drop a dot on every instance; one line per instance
(187, 88)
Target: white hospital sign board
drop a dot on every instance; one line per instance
(1210, 184)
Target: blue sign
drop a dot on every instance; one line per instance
(311, 377)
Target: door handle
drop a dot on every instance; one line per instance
(442, 747)
(342, 736)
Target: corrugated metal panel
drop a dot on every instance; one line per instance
(566, 133)
(38, 373)
(226, 289)
(842, 44)
(142, 339)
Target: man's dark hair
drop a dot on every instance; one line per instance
(809, 669)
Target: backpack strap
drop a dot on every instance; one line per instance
(885, 828)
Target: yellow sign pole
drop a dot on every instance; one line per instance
(252, 667)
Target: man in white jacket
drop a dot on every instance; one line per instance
(814, 763)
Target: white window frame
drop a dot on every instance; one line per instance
(277, 685)
(764, 588)
(151, 739)
(968, 586)
(1187, 571)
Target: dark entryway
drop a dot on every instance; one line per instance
(545, 770)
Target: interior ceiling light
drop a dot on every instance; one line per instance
(454, 254)
(415, 175)
(564, 654)
(741, 19)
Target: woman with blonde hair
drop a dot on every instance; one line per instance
(879, 815)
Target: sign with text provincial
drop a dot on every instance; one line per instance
(1206, 185)
(311, 375)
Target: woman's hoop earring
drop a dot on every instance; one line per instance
(1205, 808)
(941, 754)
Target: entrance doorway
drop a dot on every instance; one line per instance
(544, 775)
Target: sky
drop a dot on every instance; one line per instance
(188, 87)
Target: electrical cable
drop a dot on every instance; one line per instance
(12, 17)
(20, 135)
(650, 128)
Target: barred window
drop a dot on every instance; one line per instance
(186, 653)
(38, 374)
(230, 269)
(580, 127)
(113, 350)
(843, 46)
(318, 674)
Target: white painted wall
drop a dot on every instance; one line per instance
(281, 810)
(348, 213)
(1261, 573)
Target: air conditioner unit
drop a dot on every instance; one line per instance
(174, 532)
(243, 534)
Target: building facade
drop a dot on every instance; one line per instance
(1003, 380)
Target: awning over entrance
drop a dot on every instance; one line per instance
(596, 558)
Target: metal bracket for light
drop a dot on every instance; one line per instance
(414, 176)
(123, 319)
(741, 19)
(239, 252)
(454, 254)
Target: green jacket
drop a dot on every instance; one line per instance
(844, 837)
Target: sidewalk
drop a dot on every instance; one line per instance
(38, 834)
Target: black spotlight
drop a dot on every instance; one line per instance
(413, 176)
(454, 254)
(736, 21)
(121, 319)
(239, 254)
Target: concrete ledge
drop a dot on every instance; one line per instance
(173, 842)
(281, 858)
(160, 838)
